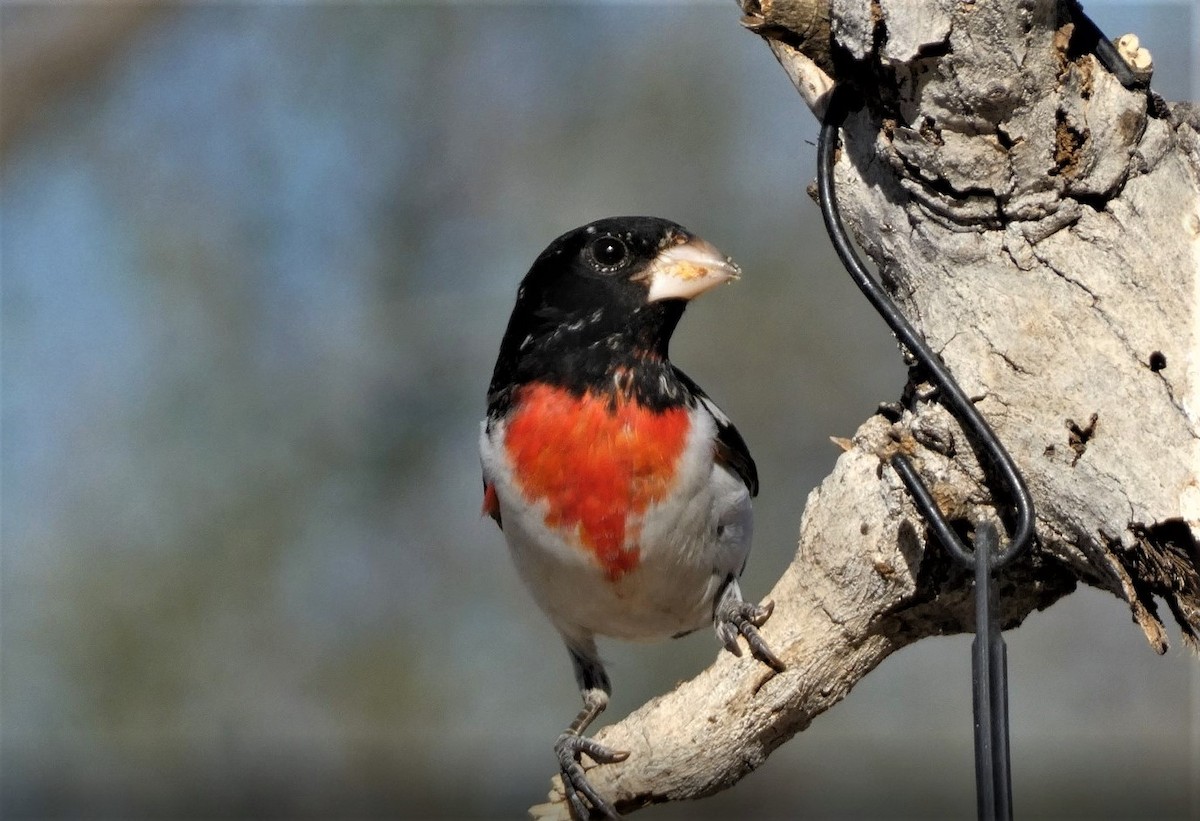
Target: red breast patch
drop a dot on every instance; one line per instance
(597, 463)
(491, 503)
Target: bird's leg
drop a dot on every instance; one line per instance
(733, 617)
(595, 689)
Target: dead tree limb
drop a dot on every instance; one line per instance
(46, 48)
(1040, 223)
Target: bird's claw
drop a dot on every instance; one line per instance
(740, 618)
(575, 784)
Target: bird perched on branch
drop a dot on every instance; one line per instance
(622, 490)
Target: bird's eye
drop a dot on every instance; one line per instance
(608, 252)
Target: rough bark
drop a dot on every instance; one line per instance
(1041, 225)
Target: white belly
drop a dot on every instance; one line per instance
(689, 543)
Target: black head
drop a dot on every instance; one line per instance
(601, 297)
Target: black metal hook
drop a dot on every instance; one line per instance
(989, 678)
(999, 461)
(989, 656)
(989, 660)
(1104, 49)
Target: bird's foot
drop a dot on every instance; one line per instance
(734, 617)
(575, 784)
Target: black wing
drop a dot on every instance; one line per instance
(731, 447)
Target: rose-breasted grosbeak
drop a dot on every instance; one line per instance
(623, 491)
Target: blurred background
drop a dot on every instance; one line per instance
(256, 261)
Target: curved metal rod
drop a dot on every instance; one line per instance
(952, 395)
(1104, 49)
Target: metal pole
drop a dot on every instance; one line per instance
(989, 679)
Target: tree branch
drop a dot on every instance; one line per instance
(1041, 225)
(44, 49)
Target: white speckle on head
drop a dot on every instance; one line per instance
(527, 341)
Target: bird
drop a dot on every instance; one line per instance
(622, 490)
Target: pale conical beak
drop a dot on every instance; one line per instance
(688, 270)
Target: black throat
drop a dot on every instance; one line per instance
(618, 353)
